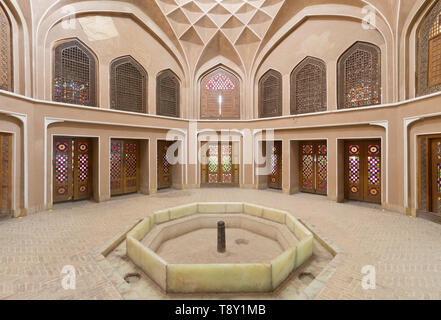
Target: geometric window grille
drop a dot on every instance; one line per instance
(5, 52)
(167, 94)
(127, 85)
(274, 161)
(270, 94)
(220, 95)
(359, 76)
(429, 53)
(74, 74)
(308, 87)
(227, 166)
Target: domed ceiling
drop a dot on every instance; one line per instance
(221, 25)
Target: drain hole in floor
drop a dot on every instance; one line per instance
(306, 276)
(242, 241)
(132, 277)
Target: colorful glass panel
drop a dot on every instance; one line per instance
(4, 183)
(115, 164)
(71, 91)
(439, 178)
(130, 164)
(83, 167)
(308, 149)
(274, 162)
(213, 160)
(354, 150)
(374, 150)
(61, 168)
(354, 170)
(323, 149)
(308, 171)
(220, 82)
(322, 171)
(374, 171)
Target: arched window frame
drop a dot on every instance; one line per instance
(58, 72)
(236, 94)
(168, 74)
(423, 51)
(6, 46)
(113, 84)
(320, 87)
(278, 98)
(343, 102)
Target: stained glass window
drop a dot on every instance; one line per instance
(213, 163)
(308, 171)
(5, 174)
(128, 81)
(439, 178)
(5, 52)
(354, 168)
(220, 95)
(322, 167)
(83, 167)
(74, 80)
(115, 165)
(374, 170)
(274, 161)
(270, 94)
(359, 76)
(227, 164)
(308, 87)
(167, 94)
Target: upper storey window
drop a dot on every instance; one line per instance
(5, 52)
(270, 94)
(127, 85)
(167, 94)
(429, 53)
(308, 87)
(74, 80)
(359, 76)
(220, 95)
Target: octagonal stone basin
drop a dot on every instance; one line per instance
(177, 248)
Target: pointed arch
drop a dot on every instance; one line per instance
(128, 85)
(308, 86)
(74, 74)
(6, 72)
(270, 94)
(168, 90)
(220, 95)
(359, 76)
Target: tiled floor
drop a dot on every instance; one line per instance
(406, 252)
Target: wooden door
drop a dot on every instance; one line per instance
(124, 166)
(220, 164)
(5, 174)
(363, 170)
(314, 167)
(72, 169)
(165, 179)
(275, 178)
(435, 192)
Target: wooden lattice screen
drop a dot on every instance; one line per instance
(216, 84)
(270, 94)
(5, 52)
(128, 83)
(308, 87)
(428, 64)
(167, 94)
(359, 76)
(74, 74)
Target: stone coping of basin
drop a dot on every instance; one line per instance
(219, 278)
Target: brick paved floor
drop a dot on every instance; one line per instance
(405, 251)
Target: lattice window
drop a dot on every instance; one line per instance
(5, 52)
(167, 94)
(128, 82)
(308, 87)
(270, 94)
(220, 95)
(74, 78)
(359, 76)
